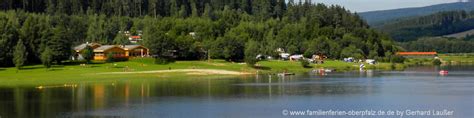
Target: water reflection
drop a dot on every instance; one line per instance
(47, 101)
(126, 97)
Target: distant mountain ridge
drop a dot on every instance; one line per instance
(374, 17)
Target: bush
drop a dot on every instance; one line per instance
(251, 61)
(393, 66)
(305, 63)
(308, 54)
(436, 62)
(161, 60)
(110, 58)
(397, 59)
(88, 54)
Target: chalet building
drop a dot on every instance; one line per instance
(102, 52)
(418, 54)
(135, 51)
(119, 51)
(78, 49)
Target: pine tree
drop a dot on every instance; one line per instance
(153, 8)
(251, 52)
(60, 44)
(174, 8)
(20, 54)
(207, 11)
(8, 39)
(47, 57)
(121, 39)
(194, 12)
(182, 12)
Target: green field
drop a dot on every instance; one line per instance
(457, 58)
(73, 73)
(38, 75)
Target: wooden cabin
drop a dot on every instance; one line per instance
(101, 53)
(80, 48)
(136, 51)
(418, 54)
(119, 51)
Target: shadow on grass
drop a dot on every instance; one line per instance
(117, 67)
(2, 69)
(54, 69)
(72, 63)
(32, 68)
(91, 66)
(262, 68)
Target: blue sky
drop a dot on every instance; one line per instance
(372, 5)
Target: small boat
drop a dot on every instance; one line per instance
(285, 74)
(443, 72)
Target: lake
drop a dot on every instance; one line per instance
(415, 92)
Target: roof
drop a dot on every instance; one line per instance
(80, 47)
(135, 37)
(130, 47)
(417, 53)
(105, 47)
(83, 46)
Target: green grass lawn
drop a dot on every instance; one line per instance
(344, 66)
(449, 59)
(37, 74)
(74, 73)
(467, 58)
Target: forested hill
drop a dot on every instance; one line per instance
(226, 29)
(379, 17)
(438, 24)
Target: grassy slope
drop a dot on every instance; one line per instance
(68, 74)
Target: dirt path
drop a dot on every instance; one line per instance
(185, 71)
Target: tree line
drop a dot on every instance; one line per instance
(187, 29)
(438, 24)
(155, 8)
(441, 45)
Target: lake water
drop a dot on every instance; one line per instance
(415, 92)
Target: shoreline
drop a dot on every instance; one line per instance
(145, 68)
(185, 71)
